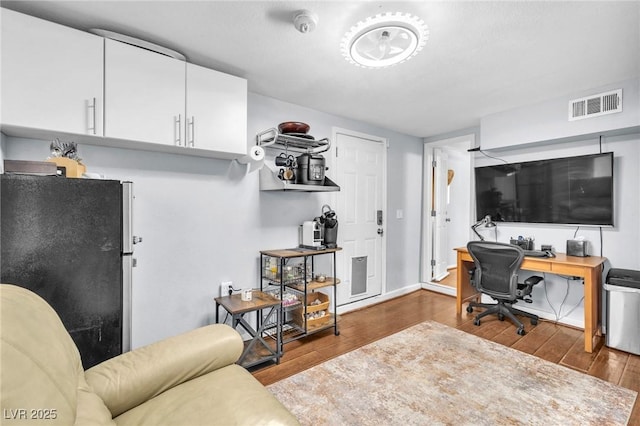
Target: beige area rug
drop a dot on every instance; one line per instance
(431, 374)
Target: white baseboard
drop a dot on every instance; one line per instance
(574, 322)
(450, 291)
(439, 288)
(377, 299)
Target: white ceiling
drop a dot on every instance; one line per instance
(482, 57)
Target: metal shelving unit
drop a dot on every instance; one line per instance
(291, 279)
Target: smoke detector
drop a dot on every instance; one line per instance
(305, 21)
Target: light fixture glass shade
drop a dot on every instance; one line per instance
(384, 40)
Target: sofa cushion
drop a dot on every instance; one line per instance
(91, 410)
(40, 361)
(228, 396)
(130, 379)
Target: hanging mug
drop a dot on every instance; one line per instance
(289, 174)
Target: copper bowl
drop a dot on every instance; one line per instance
(293, 127)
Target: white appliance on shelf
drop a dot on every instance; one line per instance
(310, 234)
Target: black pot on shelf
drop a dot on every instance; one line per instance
(310, 169)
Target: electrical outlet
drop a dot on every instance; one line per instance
(226, 288)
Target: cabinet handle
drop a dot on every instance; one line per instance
(193, 131)
(92, 107)
(178, 130)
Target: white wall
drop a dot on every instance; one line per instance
(548, 120)
(619, 243)
(204, 221)
(542, 131)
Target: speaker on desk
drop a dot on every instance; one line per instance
(577, 248)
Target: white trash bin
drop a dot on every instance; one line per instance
(623, 310)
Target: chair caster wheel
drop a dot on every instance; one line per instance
(534, 321)
(469, 309)
(501, 317)
(521, 332)
(476, 321)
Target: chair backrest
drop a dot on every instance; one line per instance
(497, 266)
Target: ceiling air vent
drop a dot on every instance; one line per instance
(595, 105)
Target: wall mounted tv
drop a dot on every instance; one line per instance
(572, 191)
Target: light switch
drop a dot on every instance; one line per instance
(399, 214)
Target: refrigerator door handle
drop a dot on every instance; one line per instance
(127, 279)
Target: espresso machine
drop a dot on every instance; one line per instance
(321, 232)
(311, 235)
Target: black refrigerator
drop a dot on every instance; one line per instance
(70, 241)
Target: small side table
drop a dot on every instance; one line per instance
(256, 350)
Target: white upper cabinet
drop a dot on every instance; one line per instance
(52, 76)
(144, 95)
(58, 81)
(216, 111)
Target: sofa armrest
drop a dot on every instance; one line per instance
(134, 377)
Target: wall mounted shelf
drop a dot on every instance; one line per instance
(272, 138)
(269, 181)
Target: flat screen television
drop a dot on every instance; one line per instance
(573, 191)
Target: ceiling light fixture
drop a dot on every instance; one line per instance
(384, 40)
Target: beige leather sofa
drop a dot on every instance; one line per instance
(190, 379)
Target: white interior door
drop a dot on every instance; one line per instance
(458, 206)
(439, 214)
(360, 164)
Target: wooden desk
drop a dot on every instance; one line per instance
(588, 268)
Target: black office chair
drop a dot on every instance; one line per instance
(496, 274)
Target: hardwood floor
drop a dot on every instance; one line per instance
(552, 342)
(450, 280)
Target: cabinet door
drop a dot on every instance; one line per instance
(216, 111)
(51, 76)
(144, 95)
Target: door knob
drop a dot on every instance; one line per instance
(380, 231)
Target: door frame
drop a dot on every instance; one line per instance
(334, 200)
(427, 194)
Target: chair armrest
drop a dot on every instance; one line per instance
(472, 276)
(134, 377)
(533, 280)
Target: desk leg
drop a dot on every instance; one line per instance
(464, 290)
(592, 278)
(459, 284)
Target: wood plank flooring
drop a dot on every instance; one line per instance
(450, 280)
(555, 343)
